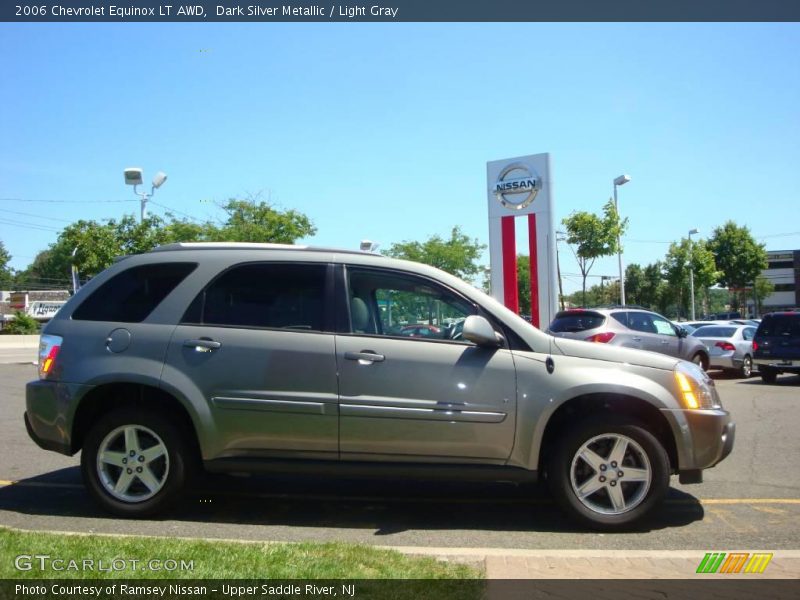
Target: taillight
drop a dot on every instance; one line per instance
(755, 345)
(727, 346)
(49, 345)
(601, 338)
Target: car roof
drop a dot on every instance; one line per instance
(253, 246)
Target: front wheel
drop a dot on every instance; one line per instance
(134, 462)
(701, 360)
(608, 473)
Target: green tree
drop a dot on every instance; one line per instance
(250, 221)
(97, 244)
(6, 272)
(524, 283)
(739, 258)
(591, 237)
(457, 255)
(680, 257)
(634, 280)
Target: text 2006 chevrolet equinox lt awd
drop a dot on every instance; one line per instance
(245, 357)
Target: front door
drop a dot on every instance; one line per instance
(411, 388)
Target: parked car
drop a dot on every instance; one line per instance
(251, 357)
(776, 346)
(730, 347)
(630, 328)
(421, 330)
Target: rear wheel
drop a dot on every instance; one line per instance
(134, 462)
(768, 375)
(747, 367)
(609, 472)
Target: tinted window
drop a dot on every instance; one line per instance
(130, 296)
(570, 322)
(404, 305)
(748, 333)
(279, 296)
(641, 322)
(784, 325)
(714, 331)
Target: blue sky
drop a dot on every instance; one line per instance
(383, 131)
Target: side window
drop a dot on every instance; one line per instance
(269, 295)
(393, 304)
(663, 327)
(621, 317)
(130, 296)
(641, 322)
(748, 333)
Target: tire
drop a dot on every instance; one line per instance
(615, 504)
(768, 375)
(700, 360)
(145, 465)
(747, 367)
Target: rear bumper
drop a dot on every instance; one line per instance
(725, 361)
(782, 365)
(50, 408)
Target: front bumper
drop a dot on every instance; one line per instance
(706, 437)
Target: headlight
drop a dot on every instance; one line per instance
(695, 388)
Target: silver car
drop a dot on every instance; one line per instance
(730, 347)
(254, 357)
(630, 328)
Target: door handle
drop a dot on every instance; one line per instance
(665, 341)
(202, 344)
(365, 357)
(637, 339)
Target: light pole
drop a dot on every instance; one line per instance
(621, 180)
(560, 237)
(691, 270)
(133, 176)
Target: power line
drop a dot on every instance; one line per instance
(14, 212)
(65, 201)
(173, 210)
(15, 223)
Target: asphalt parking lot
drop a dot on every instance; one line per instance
(750, 501)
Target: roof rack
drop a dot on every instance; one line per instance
(252, 246)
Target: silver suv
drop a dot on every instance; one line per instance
(243, 357)
(631, 328)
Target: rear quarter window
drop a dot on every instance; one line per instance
(780, 325)
(130, 296)
(578, 321)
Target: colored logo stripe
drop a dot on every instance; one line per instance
(734, 562)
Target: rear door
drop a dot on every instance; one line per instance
(256, 348)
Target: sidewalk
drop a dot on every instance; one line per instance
(612, 564)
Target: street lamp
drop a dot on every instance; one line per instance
(621, 180)
(691, 269)
(133, 176)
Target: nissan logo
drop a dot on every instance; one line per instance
(517, 186)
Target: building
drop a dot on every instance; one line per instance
(784, 272)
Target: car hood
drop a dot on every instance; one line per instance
(596, 351)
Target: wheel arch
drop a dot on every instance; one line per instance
(108, 397)
(592, 405)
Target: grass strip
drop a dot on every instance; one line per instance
(124, 557)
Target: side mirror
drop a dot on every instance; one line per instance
(480, 332)
(681, 332)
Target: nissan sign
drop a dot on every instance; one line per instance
(517, 186)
